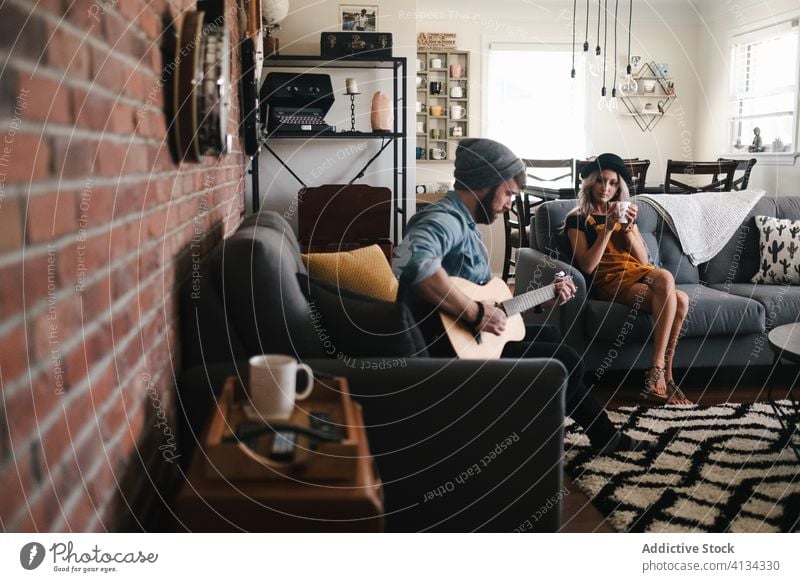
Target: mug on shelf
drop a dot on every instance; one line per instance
(436, 87)
(420, 81)
(456, 92)
(456, 70)
(457, 131)
(420, 127)
(438, 154)
(420, 152)
(436, 63)
(437, 133)
(437, 110)
(420, 107)
(420, 64)
(456, 111)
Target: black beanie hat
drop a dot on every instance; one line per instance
(608, 162)
(485, 162)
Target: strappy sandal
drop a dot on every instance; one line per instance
(649, 393)
(675, 393)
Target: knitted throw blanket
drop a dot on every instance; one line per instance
(705, 221)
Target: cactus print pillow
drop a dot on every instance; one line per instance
(779, 243)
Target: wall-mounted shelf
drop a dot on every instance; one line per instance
(654, 97)
(445, 122)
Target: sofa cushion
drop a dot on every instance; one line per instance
(738, 260)
(779, 243)
(711, 312)
(363, 270)
(348, 324)
(781, 302)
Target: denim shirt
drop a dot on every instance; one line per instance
(443, 235)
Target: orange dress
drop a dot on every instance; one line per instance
(618, 270)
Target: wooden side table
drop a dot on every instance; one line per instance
(210, 503)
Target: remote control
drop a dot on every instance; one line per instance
(283, 444)
(322, 422)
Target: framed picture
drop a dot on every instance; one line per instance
(359, 18)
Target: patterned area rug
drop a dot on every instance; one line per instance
(714, 469)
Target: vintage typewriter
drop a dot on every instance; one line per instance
(296, 104)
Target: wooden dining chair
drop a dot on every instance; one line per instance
(637, 167)
(544, 179)
(742, 181)
(721, 173)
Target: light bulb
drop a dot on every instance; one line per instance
(602, 103)
(629, 86)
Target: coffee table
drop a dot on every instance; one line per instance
(785, 342)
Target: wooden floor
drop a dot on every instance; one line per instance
(708, 387)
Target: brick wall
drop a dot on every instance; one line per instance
(97, 229)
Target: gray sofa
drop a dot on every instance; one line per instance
(429, 421)
(728, 316)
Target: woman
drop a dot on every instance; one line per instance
(613, 253)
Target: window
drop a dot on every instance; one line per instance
(764, 81)
(534, 106)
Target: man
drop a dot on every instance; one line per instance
(361, 20)
(443, 241)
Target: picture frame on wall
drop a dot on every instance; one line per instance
(358, 17)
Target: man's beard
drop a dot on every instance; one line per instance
(485, 211)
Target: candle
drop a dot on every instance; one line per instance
(352, 87)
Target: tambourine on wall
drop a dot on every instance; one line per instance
(201, 88)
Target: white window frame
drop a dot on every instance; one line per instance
(556, 45)
(751, 34)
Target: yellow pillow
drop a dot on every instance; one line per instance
(363, 270)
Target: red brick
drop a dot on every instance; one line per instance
(122, 120)
(26, 33)
(73, 157)
(16, 485)
(90, 110)
(150, 24)
(106, 71)
(110, 159)
(47, 100)
(26, 156)
(31, 406)
(67, 52)
(22, 281)
(10, 225)
(50, 216)
(86, 15)
(13, 353)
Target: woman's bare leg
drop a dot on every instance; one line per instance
(682, 308)
(656, 295)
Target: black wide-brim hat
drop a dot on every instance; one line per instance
(608, 162)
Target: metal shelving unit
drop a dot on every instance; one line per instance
(397, 138)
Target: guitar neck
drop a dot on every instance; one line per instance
(529, 300)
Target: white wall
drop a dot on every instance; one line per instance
(721, 21)
(319, 162)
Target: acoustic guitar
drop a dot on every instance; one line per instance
(469, 345)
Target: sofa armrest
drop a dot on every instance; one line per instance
(535, 269)
(461, 445)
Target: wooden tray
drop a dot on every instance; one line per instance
(328, 461)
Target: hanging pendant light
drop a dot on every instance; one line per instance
(586, 35)
(574, 10)
(613, 103)
(603, 98)
(597, 50)
(629, 86)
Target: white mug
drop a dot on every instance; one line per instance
(420, 127)
(420, 106)
(272, 385)
(456, 112)
(622, 211)
(438, 154)
(420, 65)
(456, 92)
(436, 63)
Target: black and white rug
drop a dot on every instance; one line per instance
(715, 469)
